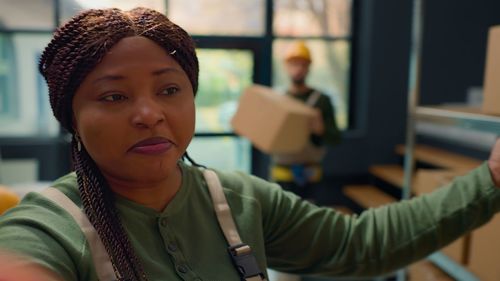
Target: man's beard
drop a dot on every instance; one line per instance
(298, 81)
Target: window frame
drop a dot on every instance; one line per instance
(260, 46)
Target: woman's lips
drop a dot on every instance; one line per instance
(152, 146)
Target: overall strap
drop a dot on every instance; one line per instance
(240, 253)
(313, 98)
(100, 257)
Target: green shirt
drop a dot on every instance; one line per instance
(184, 242)
(331, 135)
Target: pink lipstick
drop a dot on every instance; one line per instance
(152, 146)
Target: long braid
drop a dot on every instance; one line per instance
(77, 47)
(98, 201)
(194, 163)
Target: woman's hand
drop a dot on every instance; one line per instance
(494, 163)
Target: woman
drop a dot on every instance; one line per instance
(123, 83)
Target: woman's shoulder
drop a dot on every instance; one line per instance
(38, 210)
(49, 234)
(37, 213)
(68, 185)
(36, 201)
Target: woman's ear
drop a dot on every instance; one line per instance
(76, 135)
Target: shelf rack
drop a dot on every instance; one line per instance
(462, 117)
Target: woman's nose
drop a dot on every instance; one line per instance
(147, 113)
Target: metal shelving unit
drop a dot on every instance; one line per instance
(468, 118)
(462, 117)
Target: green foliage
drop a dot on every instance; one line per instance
(224, 74)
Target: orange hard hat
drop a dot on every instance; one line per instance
(298, 49)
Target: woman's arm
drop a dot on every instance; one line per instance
(301, 238)
(494, 163)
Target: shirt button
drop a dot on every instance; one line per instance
(172, 247)
(163, 222)
(182, 269)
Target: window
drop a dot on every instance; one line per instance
(31, 15)
(224, 74)
(23, 91)
(325, 25)
(320, 18)
(236, 152)
(239, 42)
(8, 102)
(69, 8)
(330, 75)
(219, 17)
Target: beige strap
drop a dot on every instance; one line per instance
(222, 209)
(255, 278)
(313, 98)
(226, 221)
(102, 262)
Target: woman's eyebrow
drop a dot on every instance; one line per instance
(112, 77)
(108, 78)
(166, 70)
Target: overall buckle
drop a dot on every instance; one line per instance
(245, 262)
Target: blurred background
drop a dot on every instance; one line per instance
(360, 49)
(239, 43)
(361, 52)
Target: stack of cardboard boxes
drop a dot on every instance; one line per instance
(478, 251)
(485, 243)
(491, 96)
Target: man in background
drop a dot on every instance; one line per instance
(301, 172)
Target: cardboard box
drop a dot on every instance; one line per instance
(428, 180)
(485, 251)
(480, 250)
(273, 122)
(491, 98)
(426, 271)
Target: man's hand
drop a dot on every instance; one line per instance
(494, 163)
(317, 125)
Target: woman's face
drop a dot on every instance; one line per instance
(135, 112)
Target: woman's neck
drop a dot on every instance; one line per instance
(155, 194)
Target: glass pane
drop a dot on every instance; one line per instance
(71, 7)
(219, 17)
(312, 17)
(329, 72)
(223, 76)
(208, 150)
(8, 100)
(25, 109)
(27, 15)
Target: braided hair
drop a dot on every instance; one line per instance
(76, 48)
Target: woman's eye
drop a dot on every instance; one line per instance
(113, 97)
(169, 91)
